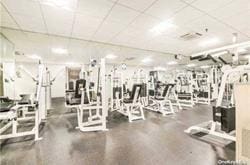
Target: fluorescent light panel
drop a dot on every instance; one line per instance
(172, 63)
(59, 51)
(205, 66)
(34, 56)
(161, 27)
(146, 60)
(110, 56)
(190, 65)
(159, 68)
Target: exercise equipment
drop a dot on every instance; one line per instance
(13, 112)
(159, 101)
(89, 98)
(223, 123)
(184, 89)
(131, 106)
(201, 89)
(124, 101)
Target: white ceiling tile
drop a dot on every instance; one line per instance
(145, 22)
(95, 8)
(35, 24)
(85, 26)
(235, 8)
(58, 21)
(122, 15)
(186, 15)
(6, 20)
(239, 21)
(188, 1)
(107, 31)
(137, 4)
(25, 7)
(205, 22)
(164, 9)
(210, 5)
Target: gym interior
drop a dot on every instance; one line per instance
(124, 82)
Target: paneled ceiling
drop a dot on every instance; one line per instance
(154, 25)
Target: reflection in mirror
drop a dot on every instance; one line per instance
(7, 68)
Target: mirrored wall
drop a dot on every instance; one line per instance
(7, 68)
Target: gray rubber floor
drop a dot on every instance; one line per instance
(157, 141)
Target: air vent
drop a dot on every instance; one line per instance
(129, 58)
(17, 53)
(190, 36)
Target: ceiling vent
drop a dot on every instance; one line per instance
(18, 53)
(190, 36)
(129, 58)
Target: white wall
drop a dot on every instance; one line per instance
(25, 84)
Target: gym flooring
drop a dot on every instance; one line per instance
(157, 140)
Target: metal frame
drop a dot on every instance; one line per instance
(211, 126)
(161, 105)
(98, 121)
(134, 110)
(11, 117)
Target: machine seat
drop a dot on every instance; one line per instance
(4, 109)
(159, 98)
(127, 100)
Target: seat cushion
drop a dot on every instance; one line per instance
(159, 98)
(127, 101)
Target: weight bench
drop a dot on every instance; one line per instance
(132, 106)
(160, 103)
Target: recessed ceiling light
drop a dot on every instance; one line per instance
(209, 42)
(72, 64)
(146, 60)
(172, 63)
(59, 51)
(110, 56)
(242, 50)
(159, 68)
(190, 65)
(247, 56)
(34, 56)
(219, 53)
(205, 66)
(161, 27)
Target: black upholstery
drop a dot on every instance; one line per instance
(117, 90)
(132, 96)
(5, 104)
(81, 83)
(71, 85)
(25, 99)
(143, 92)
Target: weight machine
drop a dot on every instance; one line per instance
(201, 88)
(14, 112)
(159, 101)
(185, 89)
(89, 98)
(128, 103)
(223, 123)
